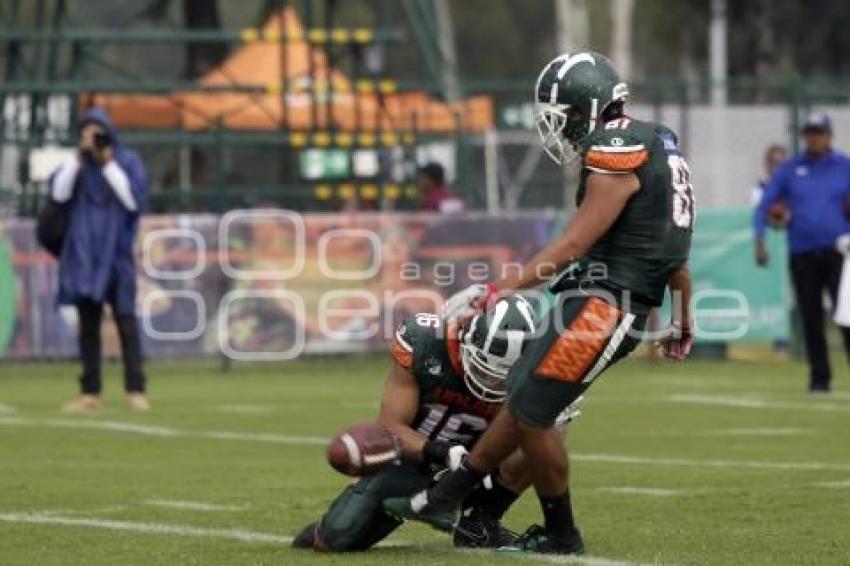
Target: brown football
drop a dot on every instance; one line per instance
(363, 449)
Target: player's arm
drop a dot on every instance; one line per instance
(777, 187)
(677, 344)
(399, 405)
(680, 291)
(606, 196)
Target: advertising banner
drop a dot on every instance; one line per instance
(269, 284)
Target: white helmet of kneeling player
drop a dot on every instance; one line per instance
(491, 342)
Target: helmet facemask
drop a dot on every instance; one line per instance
(484, 378)
(551, 121)
(491, 342)
(561, 129)
(571, 94)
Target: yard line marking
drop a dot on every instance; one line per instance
(193, 505)
(116, 426)
(651, 491)
(244, 409)
(757, 432)
(498, 557)
(756, 402)
(754, 431)
(260, 437)
(7, 409)
(132, 428)
(165, 431)
(111, 509)
(836, 484)
(689, 462)
(242, 535)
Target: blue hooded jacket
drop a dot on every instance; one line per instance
(97, 261)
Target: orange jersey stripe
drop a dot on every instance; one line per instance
(402, 355)
(616, 161)
(453, 344)
(574, 351)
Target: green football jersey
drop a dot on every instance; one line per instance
(447, 409)
(652, 236)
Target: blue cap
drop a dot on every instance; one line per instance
(818, 121)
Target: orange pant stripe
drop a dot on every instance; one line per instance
(572, 353)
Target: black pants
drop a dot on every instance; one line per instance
(91, 314)
(812, 273)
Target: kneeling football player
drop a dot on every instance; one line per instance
(444, 388)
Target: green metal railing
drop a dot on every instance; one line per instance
(32, 68)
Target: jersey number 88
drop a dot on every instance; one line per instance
(683, 192)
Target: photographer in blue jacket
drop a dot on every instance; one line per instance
(104, 186)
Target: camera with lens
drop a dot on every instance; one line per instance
(102, 140)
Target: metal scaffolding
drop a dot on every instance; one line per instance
(52, 67)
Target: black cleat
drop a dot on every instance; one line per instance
(479, 530)
(307, 537)
(537, 539)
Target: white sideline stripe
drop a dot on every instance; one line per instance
(244, 409)
(757, 432)
(841, 484)
(96, 511)
(193, 505)
(164, 431)
(115, 426)
(242, 535)
(7, 409)
(689, 462)
(503, 557)
(651, 491)
(756, 403)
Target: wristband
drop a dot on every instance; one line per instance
(436, 452)
(491, 296)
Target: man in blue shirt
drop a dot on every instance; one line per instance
(815, 185)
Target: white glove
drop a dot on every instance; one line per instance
(464, 304)
(676, 342)
(842, 244)
(456, 454)
(571, 413)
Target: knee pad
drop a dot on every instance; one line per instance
(355, 521)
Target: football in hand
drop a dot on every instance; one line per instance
(363, 449)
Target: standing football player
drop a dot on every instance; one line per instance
(627, 242)
(445, 386)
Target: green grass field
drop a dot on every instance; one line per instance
(703, 463)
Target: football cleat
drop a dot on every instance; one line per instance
(417, 508)
(539, 540)
(307, 537)
(480, 530)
